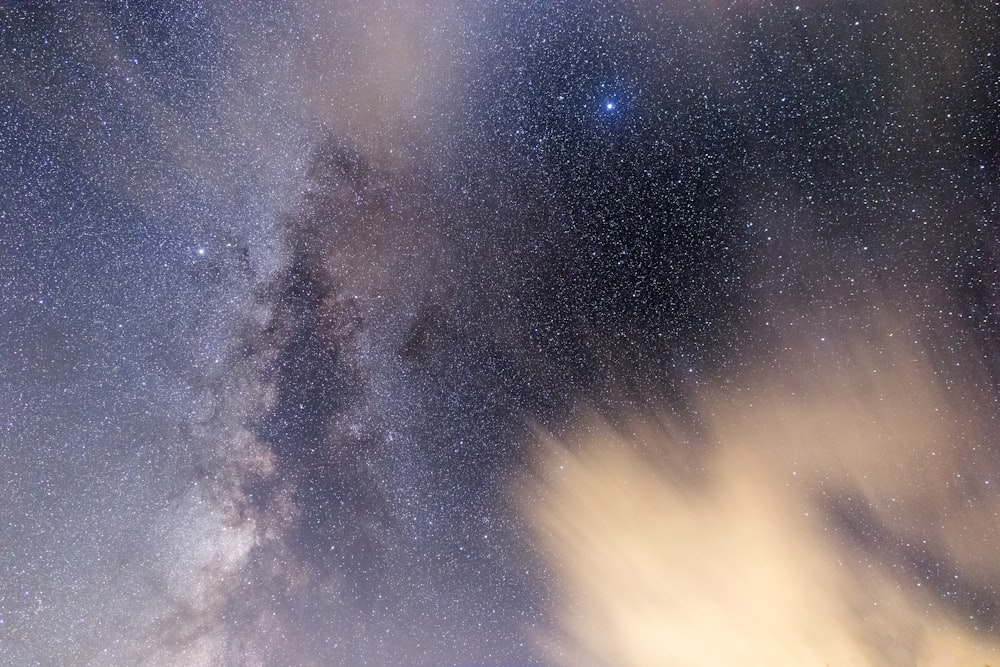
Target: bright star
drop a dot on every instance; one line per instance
(610, 106)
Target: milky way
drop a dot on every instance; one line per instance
(499, 333)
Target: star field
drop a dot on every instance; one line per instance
(364, 333)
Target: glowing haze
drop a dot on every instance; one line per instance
(829, 524)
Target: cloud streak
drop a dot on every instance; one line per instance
(840, 516)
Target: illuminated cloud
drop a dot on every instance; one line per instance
(821, 528)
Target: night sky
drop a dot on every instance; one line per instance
(499, 333)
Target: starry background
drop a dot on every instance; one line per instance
(288, 289)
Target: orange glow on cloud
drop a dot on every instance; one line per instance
(740, 563)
